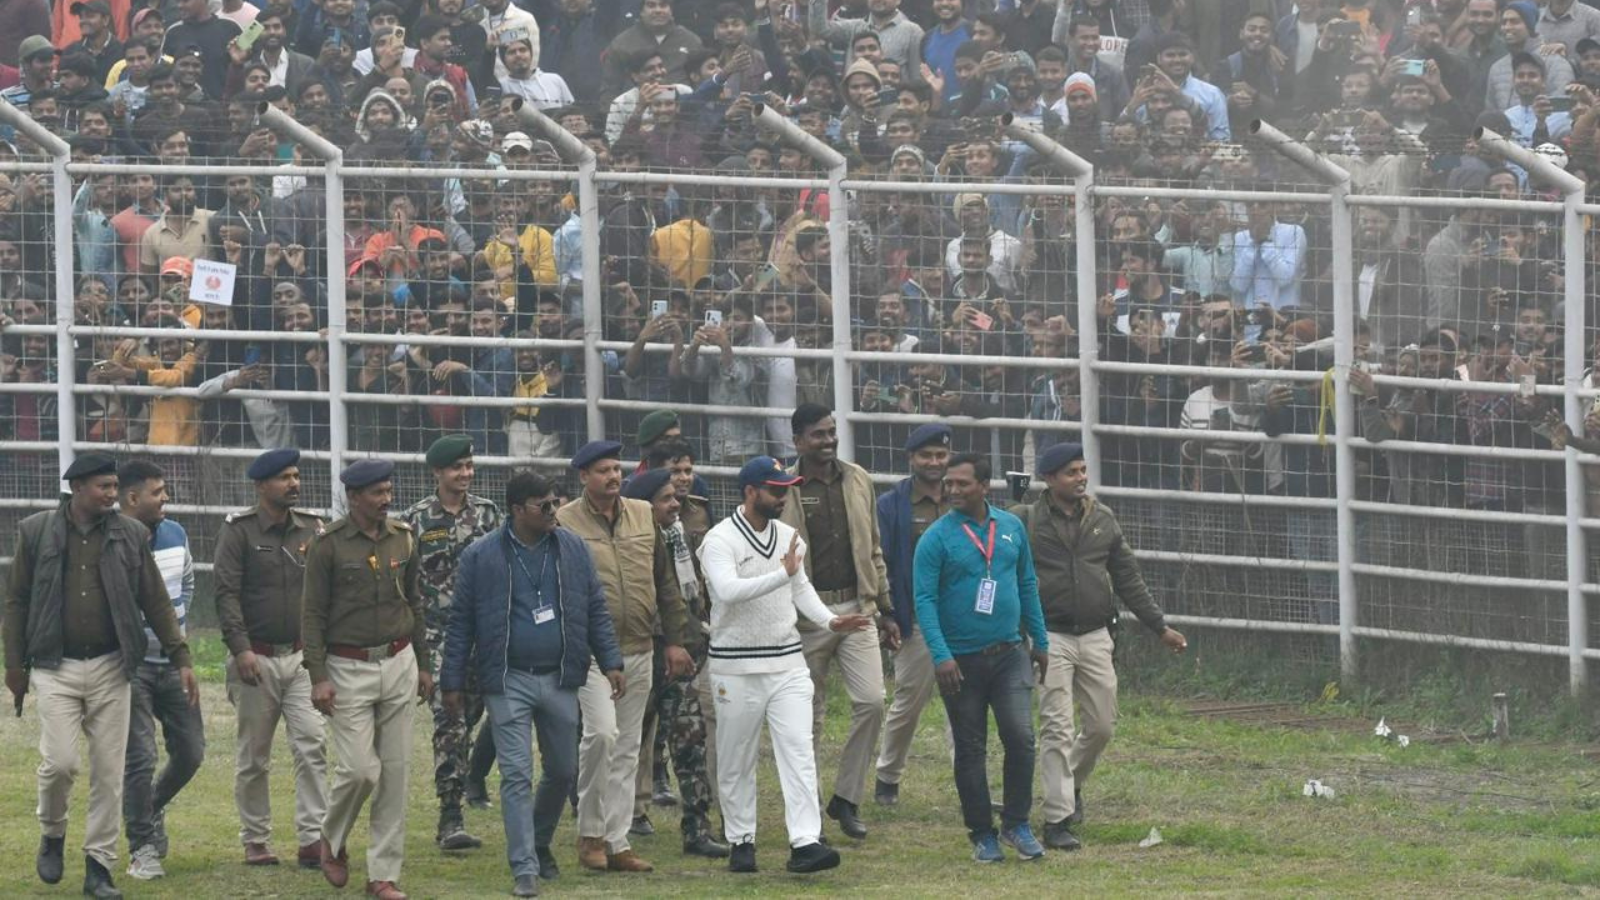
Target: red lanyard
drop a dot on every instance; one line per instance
(988, 552)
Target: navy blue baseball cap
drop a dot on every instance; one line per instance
(764, 470)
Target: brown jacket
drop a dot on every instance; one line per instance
(861, 506)
(635, 569)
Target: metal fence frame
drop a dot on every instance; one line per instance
(1081, 188)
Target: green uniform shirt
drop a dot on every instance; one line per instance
(361, 592)
(87, 629)
(441, 538)
(833, 565)
(259, 572)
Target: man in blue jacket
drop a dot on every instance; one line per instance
(529, 613)
(904, 513)
(977, 595)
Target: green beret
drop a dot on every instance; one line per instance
(448, 449)
(651, 427)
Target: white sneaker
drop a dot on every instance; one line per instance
(146, 864)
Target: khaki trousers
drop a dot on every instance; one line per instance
(371, 735)
(861, 664)
(914, 686)
(1080, 672)
(282, 692)
(608, 753)
(91, 697)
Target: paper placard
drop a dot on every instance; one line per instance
(213, 282)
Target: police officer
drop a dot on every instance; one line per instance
(836, 517)
(74, 635)
(1084, 566)
(904, 513)
(259, 573)
(366, 649)
(445, 524)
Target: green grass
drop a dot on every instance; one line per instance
(1428, 820)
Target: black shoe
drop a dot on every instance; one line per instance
(661, 794)
(1059, 836)
(812, 858)
(49, 865)
(453, 835)
(97, 881)
(844, 812)
(525, 886)
(476, 793)
(742, 858)
(886, 794)
(641, 827)
(707, 846)
(1076, 818)
(548, 870)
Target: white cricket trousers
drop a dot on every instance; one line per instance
(783, 701)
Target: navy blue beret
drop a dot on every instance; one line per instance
(364, 472)
(594, 451)
(89, 465)
(271, 462)
(931, 433)
(647, 484)
(1057, 456)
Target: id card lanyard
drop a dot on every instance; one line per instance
(984, 604)
(542, 612)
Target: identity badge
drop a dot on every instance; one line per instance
(985, 603)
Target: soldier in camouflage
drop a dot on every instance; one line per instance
(678, 704)
(445, 524)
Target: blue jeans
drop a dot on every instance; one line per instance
(1002, 682)
(158, 696)
(532, 702)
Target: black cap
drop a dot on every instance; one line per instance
(89, 465)
(365, 472)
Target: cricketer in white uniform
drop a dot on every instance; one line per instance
(757, 584)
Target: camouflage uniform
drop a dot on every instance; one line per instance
(680, 727)
(441, 537)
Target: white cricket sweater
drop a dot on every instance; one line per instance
(755, 604)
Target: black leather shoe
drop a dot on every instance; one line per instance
(844, 812)
(525, 886)
(548, 870)
(641, 827)
(1059, 836)
(50, 863)
(476, 794)
(886, 794)
(97, 881)
(1076, 818)
(705, 845)
(812, 858)
(742, 858)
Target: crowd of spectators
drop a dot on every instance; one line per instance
(1152, 92)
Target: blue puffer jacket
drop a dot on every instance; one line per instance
(480, 614)
(894, 532)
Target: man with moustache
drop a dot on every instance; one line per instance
(260, 569)
(366, 649)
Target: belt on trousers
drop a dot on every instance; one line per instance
(997, 649)
(1077, 630)
(834, 598)
(261, 649)
(369, 654)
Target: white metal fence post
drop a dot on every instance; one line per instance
(573, 150)
(61, 235)
(1082, 173)
(1344, 340)
(1571, 187)
(333, 207)
(839, 266)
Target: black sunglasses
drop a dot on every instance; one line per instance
(546, 506)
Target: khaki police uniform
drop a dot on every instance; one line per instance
(363, 630)
(259, 573)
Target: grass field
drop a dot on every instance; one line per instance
(1456, 819)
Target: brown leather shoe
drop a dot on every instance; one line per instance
(592, 853)
(334, 868)
(384, 890)
(627, 861)
(310, 856)
(259, 855)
